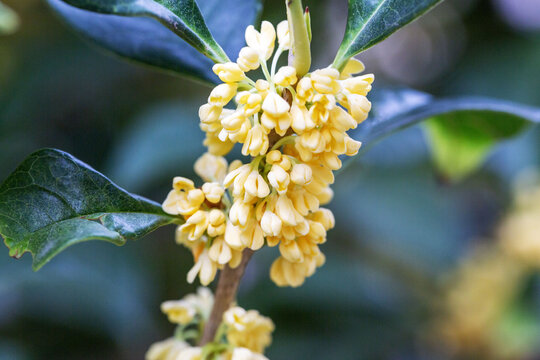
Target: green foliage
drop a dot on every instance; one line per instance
(140, 37)
(52, 201)
(370, 22)
(9, 21)
(460, 141)
(183, 17)
(461, 131)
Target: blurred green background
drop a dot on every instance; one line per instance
(399, 229)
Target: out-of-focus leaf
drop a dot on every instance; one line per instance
(137, 162)
(9, 21)
(146, 40)
(371, 21)
(460, 141)
(52, 201)
(474, 123)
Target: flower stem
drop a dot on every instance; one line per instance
(225, 295)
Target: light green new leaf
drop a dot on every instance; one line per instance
(52, 201)
(183, 17)
(460, 141)
(371, 21)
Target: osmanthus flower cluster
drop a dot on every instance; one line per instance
(482, 290)
(294, 130)
(243, 335)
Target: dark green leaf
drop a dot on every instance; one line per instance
(52, 201)
(371, 21)
(463, 129)
(146, 40)
(182, 17)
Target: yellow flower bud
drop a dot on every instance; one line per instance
(213, 192)
(325, 217)
(248, 59)
(222, 94)
(240, 213)
(301, 174)
(286, 211)
(205, 267)
(352, 146)
(271, 224)
(256, 142)
(232, 236)
(273, 157)
(209, 113)
(360, 85)
(256, 186)
(274, 105)
(211, 168)
(262, 42)
(325, 81)
(279, 179)
(179, 311)
(285, 76)
(359, 107)
(229, 72)
(195, 225)
(216, 146)
(182, 183)
(291, 252)
(352, 67)
(284, 38)
(165, 350)
(304, 90)
(220, 252)
(301, 119)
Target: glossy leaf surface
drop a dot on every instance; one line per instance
(371, 21)
(461, 131)
(52, 201)
(146, 40)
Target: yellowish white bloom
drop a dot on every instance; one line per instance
(295, 130)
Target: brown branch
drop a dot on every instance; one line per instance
(225, 295)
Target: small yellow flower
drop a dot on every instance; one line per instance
(213, 192)
(256, 142)
(284, 38)
(352, 67)
(279, 179)
(209, 113)
(222, 94)
(229, 72)
(248, 59)
(325, 81)
(205, 267)
(262, 42)
(195, 225)
(166, 350)
(220, 251)
(216, 223)
(211, 168)
(179, 311)
(248, 329)
(301, 174)
(285, 76)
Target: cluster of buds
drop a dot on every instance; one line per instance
(484, 288)
(243, 335)
(295, 130)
